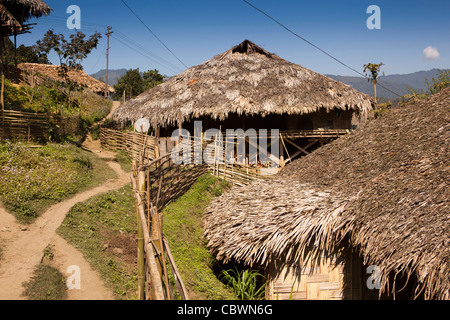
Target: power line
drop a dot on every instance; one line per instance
(141, 52)
(153, 33)
(120, 37)
(318, 48)
(137, 46)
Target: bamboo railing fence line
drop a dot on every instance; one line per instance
(24, 125)
(240, 172)
(131, 142)
(156, 183)
(36, 126)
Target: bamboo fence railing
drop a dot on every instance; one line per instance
(24, 125)
(238, 172)
(36, 126)
(131, 142)
(155, 184)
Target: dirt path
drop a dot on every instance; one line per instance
(22, 246)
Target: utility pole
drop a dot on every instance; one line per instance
(108, 33)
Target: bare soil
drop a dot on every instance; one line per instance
(22, 246)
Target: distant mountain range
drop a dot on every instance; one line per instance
(113, 75)
(397, 83)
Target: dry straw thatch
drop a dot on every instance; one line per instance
(30, 8)
(382, 190)
(42, 71)
(22, 10)
(245, 80)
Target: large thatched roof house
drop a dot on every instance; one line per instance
(248, 87)
(377, 199)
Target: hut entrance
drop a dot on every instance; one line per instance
(305, 123)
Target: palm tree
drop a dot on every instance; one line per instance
(372, 72)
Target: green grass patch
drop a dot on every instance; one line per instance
(47, 283)
(103, 228)
(183, 228)
(124, 160)
(34, 177)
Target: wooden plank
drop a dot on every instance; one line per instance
(297, 146)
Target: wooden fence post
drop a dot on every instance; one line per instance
(140, 239)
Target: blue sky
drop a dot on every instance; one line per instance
(197, 30)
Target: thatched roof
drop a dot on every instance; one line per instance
(382, 190)
(51, 71)
(245, 80)
(15, 12)
(30, 8)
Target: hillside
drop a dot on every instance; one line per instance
(396, 82)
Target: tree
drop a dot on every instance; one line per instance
(133, 83)
(372, 71)
(23, 53)
(70, 53)
(152, 78)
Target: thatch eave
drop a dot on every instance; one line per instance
(245, 80)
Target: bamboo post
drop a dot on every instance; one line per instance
(155, 278)
(140, 239)
(176, 274)
(2, 90)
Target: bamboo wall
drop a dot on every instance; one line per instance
(328, 278)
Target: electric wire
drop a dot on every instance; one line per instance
(154, 34)
(318, 48)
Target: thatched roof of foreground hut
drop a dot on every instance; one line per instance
(382, 190)
(245, 80)
(15, 12)
(30, 8)
(49, 71)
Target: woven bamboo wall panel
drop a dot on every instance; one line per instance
(322, 282)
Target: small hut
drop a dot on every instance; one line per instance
(35, 73)
(376, 200)
(248, 87)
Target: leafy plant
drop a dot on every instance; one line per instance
(244, 283)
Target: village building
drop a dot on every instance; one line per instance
(364, 217)
(246, 87)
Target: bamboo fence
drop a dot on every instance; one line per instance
(131, 142)
(24, 125)
(36, 126)
(239, 171)
(155, 184)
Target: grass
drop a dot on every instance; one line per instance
(47, 283)
(34, 177)
(183, 228)
(103, 228)
(124, 160)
